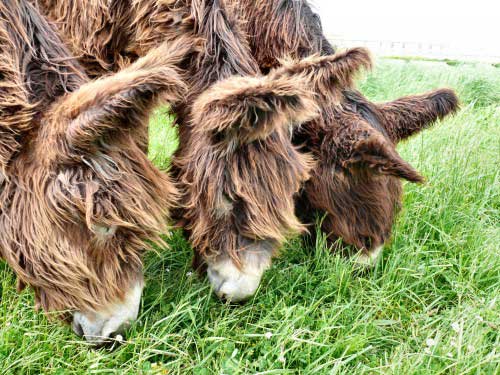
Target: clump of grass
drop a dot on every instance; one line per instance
(481, 92)
(431, 306)
(162, 139)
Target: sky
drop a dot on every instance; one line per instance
(473, 26)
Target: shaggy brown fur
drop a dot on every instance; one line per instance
(78, 196)
(279, 28)
(235, 150)
(236, 163)
(240, 190)
(352, 171)
(356, 183)
(354, 187)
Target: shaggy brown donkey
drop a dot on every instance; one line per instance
(78, 196)
(236, 164)
(356, 186)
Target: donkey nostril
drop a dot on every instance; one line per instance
(115, 332)
(117, 336)
(77, 328)
(367, 243)
(120, 331)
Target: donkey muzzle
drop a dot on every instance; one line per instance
(109, 324)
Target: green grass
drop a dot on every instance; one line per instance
(431, 306)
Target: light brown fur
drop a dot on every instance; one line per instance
(79, 198)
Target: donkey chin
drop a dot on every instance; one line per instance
(109, 323)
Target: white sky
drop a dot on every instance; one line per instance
(472, 25)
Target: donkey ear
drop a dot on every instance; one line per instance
(252, 108)
(328, 75)
(373, 151)
(125, 99)
(409, 115)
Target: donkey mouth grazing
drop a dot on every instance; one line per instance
(101, 327)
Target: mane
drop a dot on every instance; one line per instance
(282, 28)
(226, 52)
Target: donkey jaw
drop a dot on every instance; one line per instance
(235, 284)
(109, 324)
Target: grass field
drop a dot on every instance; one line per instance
(431, 306)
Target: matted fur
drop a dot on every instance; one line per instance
(257, 166)
(407, 116)
(355, 180)
(328, 75)
(241, 169)
(355, 186)
(79, 198)
(247, 109)
(280, 28)
(236, 163)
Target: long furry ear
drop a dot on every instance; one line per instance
(251, 108)
(35, 69)
(370, 149)
(125, 99)
(328, 75)
(409, 115)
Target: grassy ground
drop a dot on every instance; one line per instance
(430, 307)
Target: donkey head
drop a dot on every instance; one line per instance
(358, 179)
(243, 172)
(80, 197)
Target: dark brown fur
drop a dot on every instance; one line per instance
(281, 28)
(220, 158)
(242, 180)
(355, 186)
(72, 164)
